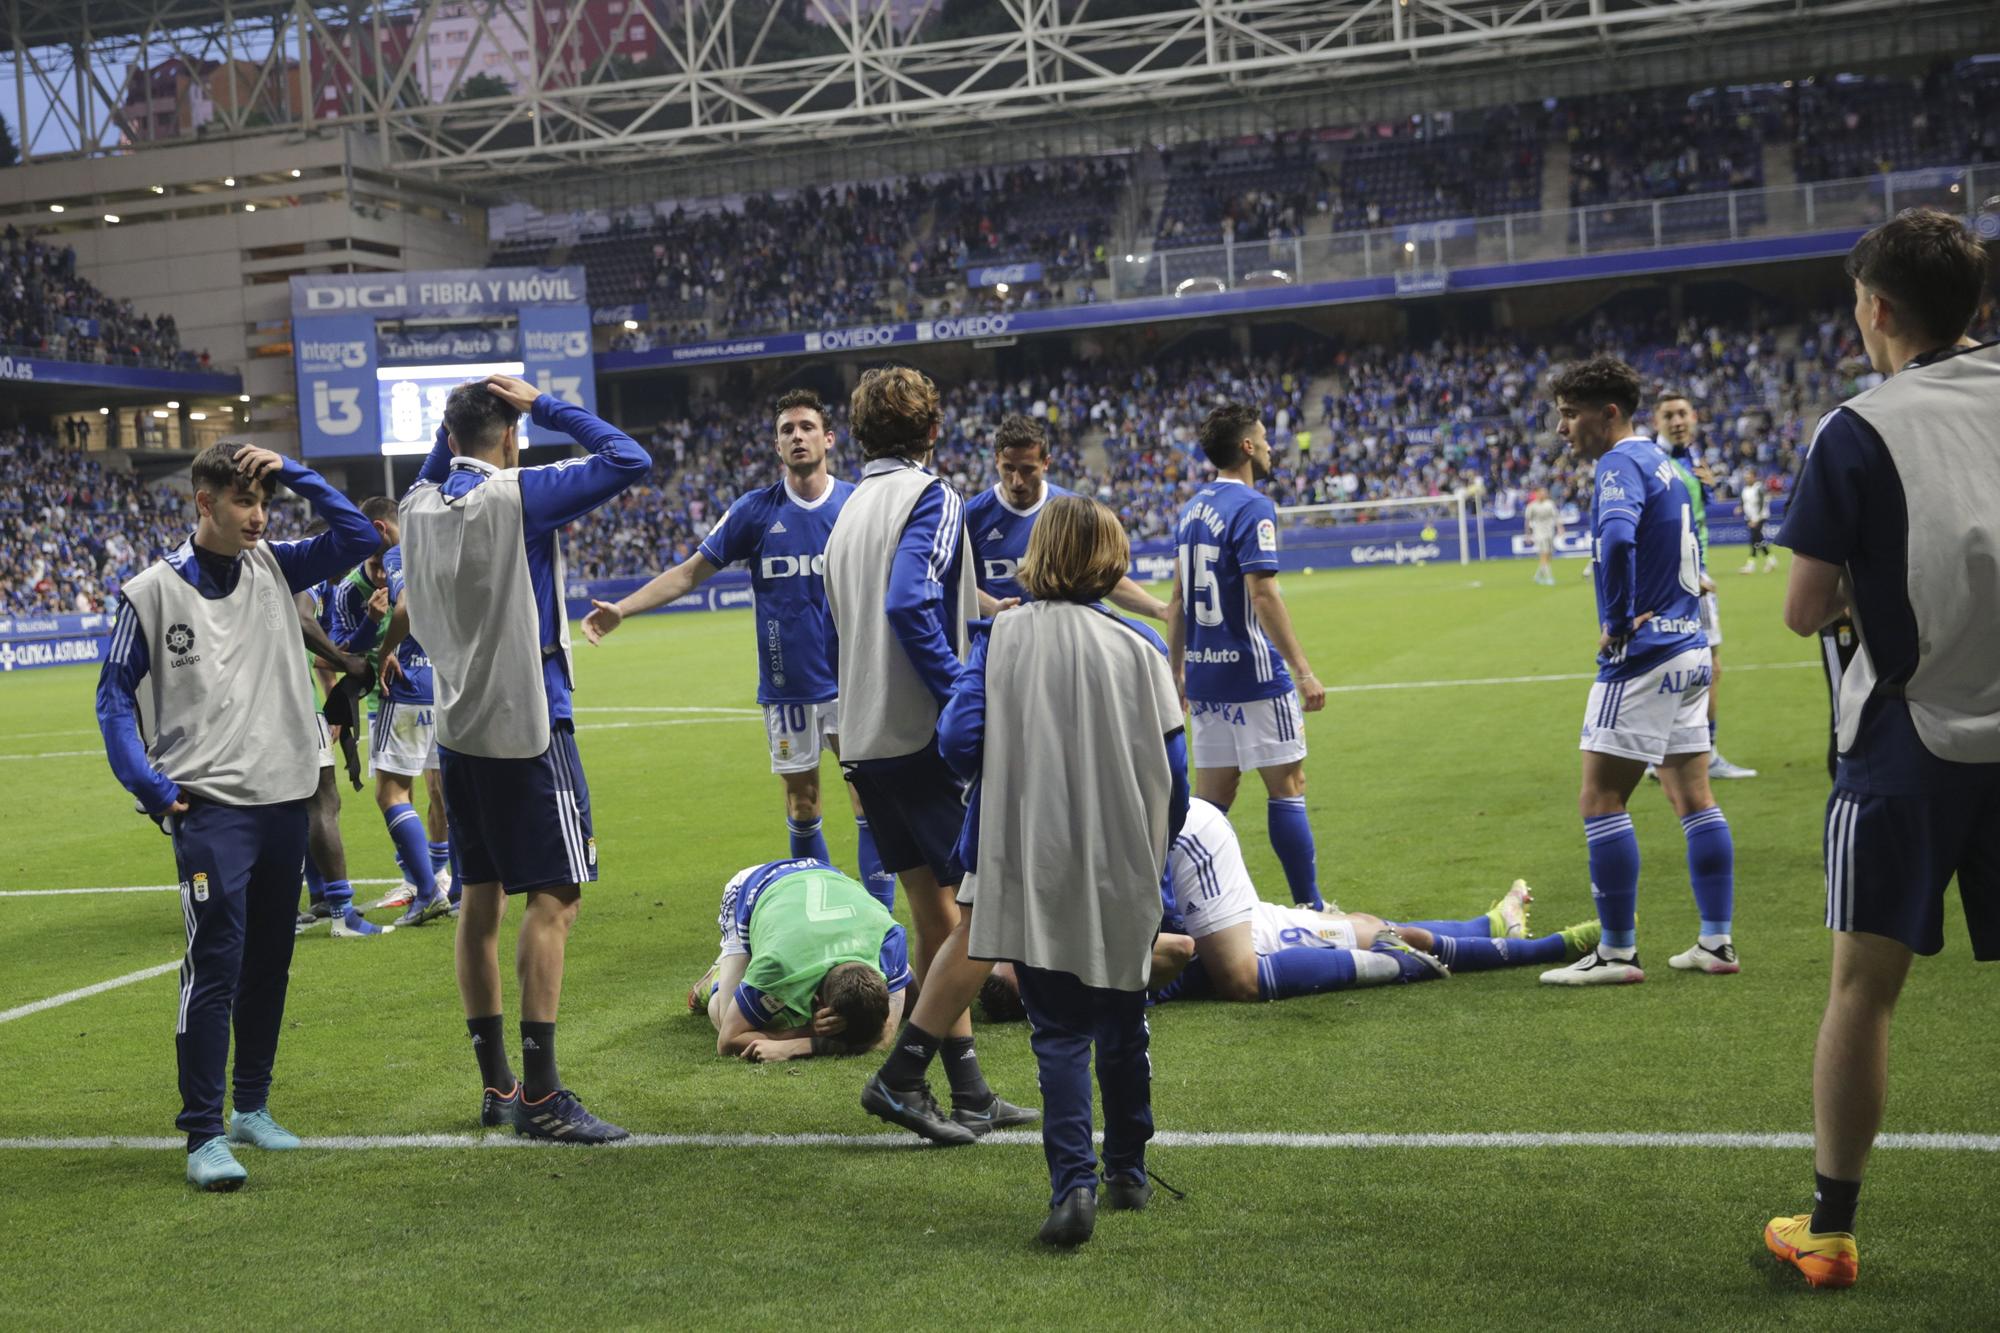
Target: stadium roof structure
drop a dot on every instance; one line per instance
(534, 89)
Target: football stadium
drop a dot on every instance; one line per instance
(437, 436)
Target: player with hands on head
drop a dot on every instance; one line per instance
(483, 565)
(208, 721)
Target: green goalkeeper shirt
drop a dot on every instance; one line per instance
(801, 924)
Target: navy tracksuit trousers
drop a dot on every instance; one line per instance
(239, 872)
(1068, 1019)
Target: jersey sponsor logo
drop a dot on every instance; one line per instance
(1213, 656)
(999, 570)
(1267, 535)
(792, 566)
(1673, 624)
(1680, 682)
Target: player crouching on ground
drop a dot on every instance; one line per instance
(811, 964)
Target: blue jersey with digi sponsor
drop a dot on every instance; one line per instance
(1226, 532)
(1000, 538)
(1648, 558)
(783, 541)
(414, 686)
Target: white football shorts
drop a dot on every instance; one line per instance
(403, 740)
(1545, 541)
(1274, 927)
(1211, 884)
(1711, 620)
(1260, 734)
(1660, 712)
(796, 732)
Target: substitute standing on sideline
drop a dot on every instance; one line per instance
(1065, 840)
(228, 759)
(1896, 518)
(484, 570)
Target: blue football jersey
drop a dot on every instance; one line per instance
(1000, 538)
(783, 541)
(1227, 531)
(414, 687)
(1638, 483)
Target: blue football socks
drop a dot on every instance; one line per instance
(440, 857)
(1292, 839)
(1614, 877)
(874, 878)
(1474, 954)
(807, 838)
(413, 853)
(1711, 868)
(1303, 970)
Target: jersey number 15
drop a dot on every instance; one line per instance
(1198, 577)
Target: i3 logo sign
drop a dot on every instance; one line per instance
(569, 388)
(336, 411)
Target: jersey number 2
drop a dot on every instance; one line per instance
(1198, 577)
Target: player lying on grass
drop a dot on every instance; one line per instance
(811, 964)
(1220, 940)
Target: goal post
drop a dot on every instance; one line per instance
(1460, 509)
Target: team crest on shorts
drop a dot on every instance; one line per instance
(590, 851)
(200, 886)
(784, 747)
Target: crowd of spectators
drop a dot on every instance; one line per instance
(1854, 126)
(73, 530)
(48, 309)
(1659, 145)
(1346, 422)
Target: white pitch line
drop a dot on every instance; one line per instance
(669, 708)
(84, 993)
(660, 722)
(134, 888)
(1786, 1142)
(54, 754)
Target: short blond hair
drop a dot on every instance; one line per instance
(893, 412)
(1077, 552)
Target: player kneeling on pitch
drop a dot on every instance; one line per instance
(224, 753)
(811, 964)
(1079, 786)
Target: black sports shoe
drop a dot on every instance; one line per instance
(560, 1118)
(499, 1110)
(997, 1114)
(1125, 1194)
(915, 1110)
(1070, 1222)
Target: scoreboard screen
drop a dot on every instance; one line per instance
(412, 399)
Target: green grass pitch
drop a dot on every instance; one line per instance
(1426, 801)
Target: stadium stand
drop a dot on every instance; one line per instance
(1248, 192)
(1853, 125)
(1380, 423)
(1431, 175)
(48, 309)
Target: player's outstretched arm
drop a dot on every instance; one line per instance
(670, 586)
(1129, 596)
(1269, 605)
